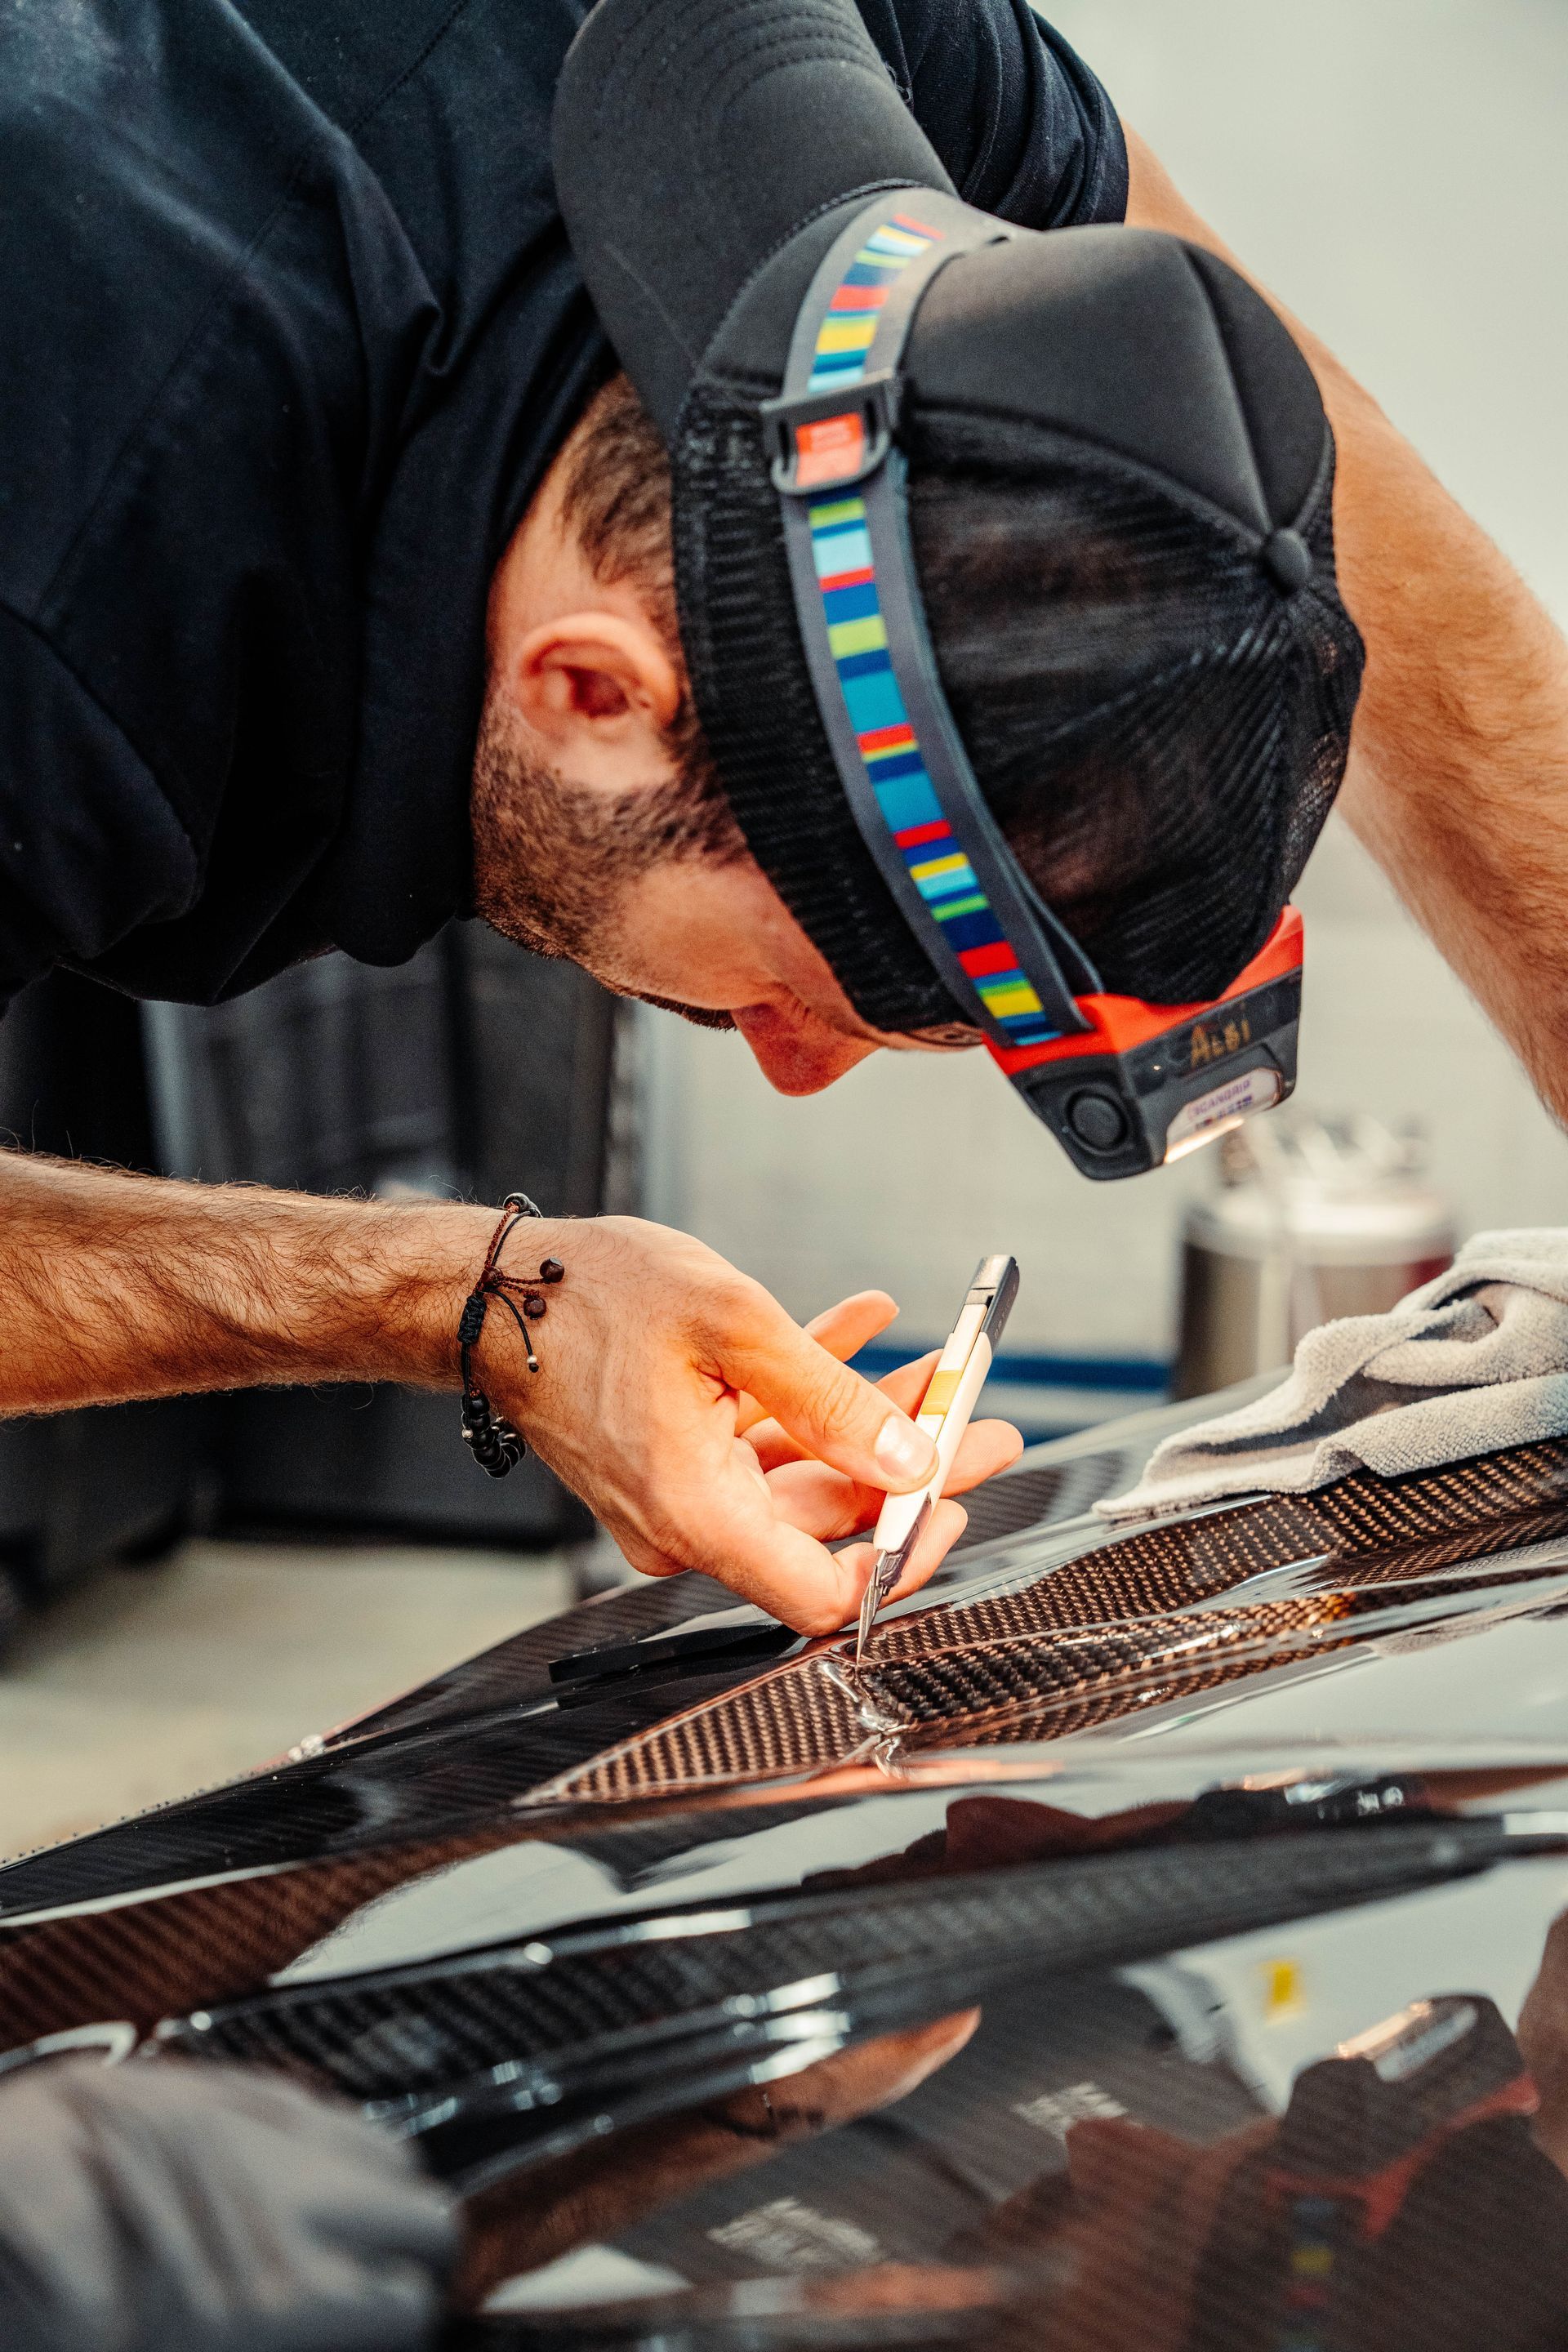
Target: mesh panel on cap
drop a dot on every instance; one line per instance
(1160, 731)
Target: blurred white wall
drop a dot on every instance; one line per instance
(1397, 169)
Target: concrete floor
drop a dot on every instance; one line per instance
(148, 1683)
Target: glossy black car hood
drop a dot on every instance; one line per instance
(1246, 1835)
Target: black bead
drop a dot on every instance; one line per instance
(552, 1270)
(494, 1444)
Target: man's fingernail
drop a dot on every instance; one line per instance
(904, 1450)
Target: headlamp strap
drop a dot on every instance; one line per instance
(1007, 961)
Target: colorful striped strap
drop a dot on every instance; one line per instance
(906, 773)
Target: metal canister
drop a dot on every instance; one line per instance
(1310, 1221)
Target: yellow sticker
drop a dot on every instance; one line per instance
(1282, 1983)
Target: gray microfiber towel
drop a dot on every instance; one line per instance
(1469, 1363)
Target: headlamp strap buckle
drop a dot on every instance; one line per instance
(828, 440)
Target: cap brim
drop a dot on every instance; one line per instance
(693, 138)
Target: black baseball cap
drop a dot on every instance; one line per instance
(1142, 443)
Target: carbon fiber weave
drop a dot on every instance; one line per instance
(140, 1959)
(422, 1782)
(1079, 1681)
(516, 1670)
(196, 1946)
(1356, 1529)
(562, 2002)
(155, 1954)
(1127, 1600)
(1090, 1678)
(1364, 1531)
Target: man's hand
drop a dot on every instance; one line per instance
(708, 1430)
(701, 1422)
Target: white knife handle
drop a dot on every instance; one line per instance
(954, 1408)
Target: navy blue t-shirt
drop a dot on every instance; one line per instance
(289, 331)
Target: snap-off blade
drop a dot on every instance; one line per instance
(889, 1566)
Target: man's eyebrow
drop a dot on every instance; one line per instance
(947, 1037)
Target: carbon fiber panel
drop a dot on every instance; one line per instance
(544, 2013)
(391, 1807)
(143, 1958)
(513, 1672)
(1024, 1499)
(422, 1782)
(196, 1946)
(1078, 1681)
(796, 1721)
(1359, 1529)
(1363, 1533)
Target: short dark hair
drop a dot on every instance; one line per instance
(615, 496)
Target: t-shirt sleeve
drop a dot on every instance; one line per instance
(88, 843)
(1024, 127)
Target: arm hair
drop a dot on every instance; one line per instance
(1458, 774)
(120, 1286)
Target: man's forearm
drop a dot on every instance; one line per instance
(126, 1287)
(1458, 774)
(657, 1355)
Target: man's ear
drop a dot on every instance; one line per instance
(599, 690)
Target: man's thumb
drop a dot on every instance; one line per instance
(831, 1412)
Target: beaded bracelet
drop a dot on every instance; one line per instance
(489, 1436)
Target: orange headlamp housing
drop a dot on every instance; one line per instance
(1144, 1084)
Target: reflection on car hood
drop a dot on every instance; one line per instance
(1245, 1834)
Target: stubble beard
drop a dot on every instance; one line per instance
(553, 861)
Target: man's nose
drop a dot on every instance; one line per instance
(798, 1053)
